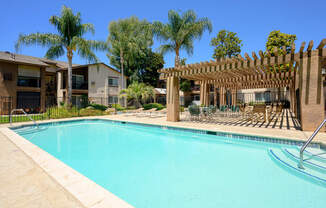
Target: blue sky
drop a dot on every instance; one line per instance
(252, 20)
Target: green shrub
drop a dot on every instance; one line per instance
(158, 106)
(118, 107)
(131, 108)
(62, 112)
(98, 106)
(91, 112)
(182, 109)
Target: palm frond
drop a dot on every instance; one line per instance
(55, 52)
(42, 39)
(88, 28)
(166, 48)
(85, 48)
(181, 31)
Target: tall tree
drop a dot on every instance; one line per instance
(227, 44)
(146, 67)
(69, 39)
(276, 40)
(127, 39)
(180, 32)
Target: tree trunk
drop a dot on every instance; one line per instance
(122, 72)
(121, 63)
(177, 58)
(69, 93)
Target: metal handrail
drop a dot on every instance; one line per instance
(21, 110)
(300, 165)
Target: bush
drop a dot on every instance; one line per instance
(62, 112)
(158, 106)
(98, 106)
(90, 112)
(118, 107)
(182, 109)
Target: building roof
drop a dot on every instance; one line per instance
(22, 59)
(30, 60)
(86, 65)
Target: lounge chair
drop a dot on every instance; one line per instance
(134, 112)
(161, 112)
(145, 113)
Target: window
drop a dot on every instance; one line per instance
(78, 82)
(113, 99)
(267, 96)
(113, 82)
(259, 96)
(28, 81)
(28, 77)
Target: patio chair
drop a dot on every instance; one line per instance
(134, 112)
(257, 111)
(159, 113)
(194, 112)
(146, 113)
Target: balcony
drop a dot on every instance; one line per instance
(80, 85)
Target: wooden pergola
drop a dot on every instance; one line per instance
(303, 73)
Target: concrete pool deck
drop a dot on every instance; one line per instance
(30, 177)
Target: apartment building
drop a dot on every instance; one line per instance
(99, 82)
(34, 83)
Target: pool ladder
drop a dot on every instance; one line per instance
(21, 110)
(300, 165)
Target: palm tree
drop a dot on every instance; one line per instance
(180, 32)
(69, 39)
(138, 92)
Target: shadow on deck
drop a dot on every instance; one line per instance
(284, 120)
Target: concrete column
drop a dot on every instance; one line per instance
(173, 99)
(311, 99)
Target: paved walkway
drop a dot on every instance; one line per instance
(23, 184)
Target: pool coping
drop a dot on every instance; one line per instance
(90, 194)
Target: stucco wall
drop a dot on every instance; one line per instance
(98, 76)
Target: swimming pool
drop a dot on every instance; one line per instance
(162, 167)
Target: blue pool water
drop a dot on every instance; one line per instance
(151, 167)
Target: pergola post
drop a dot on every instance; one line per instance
(234, 96)
(204, 93)
(311, 96)
(173, 99)
(222, 96)
(292, 98)
(215, 96)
